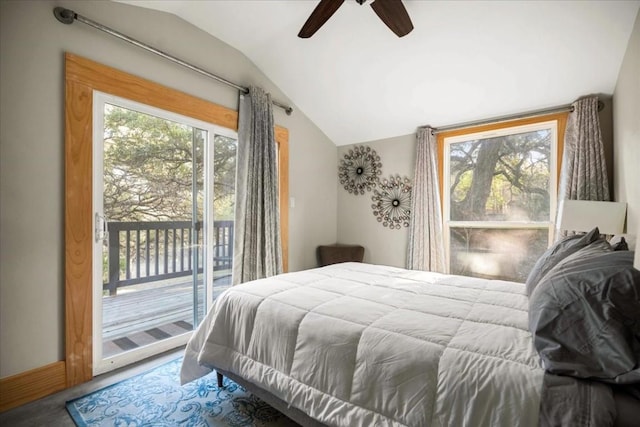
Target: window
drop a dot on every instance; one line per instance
(499, 198)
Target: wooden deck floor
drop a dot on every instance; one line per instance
(141, 315)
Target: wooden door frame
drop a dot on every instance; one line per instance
(82, 77)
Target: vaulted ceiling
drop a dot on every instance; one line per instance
(464, 60)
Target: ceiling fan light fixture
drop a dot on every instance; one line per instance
(391, 12)
(394, 15)
(321, 14)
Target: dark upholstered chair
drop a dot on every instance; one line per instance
(333, 254)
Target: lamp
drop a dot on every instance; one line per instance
(584, 215)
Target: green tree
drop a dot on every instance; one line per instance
(148, 168)
(506, 176)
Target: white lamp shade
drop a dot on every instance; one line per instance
(584, 215)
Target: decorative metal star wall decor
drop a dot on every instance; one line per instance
(359, 170)
(392, 204)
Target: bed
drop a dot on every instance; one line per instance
(355, 344)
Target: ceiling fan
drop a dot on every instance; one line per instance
(391, 12)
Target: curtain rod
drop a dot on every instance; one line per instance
(544, 112)
(67, 16)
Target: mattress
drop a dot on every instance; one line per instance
(359, 344)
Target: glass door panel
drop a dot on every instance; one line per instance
(158, 249)
(224, 185)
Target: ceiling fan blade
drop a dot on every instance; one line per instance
(394, 15)
(319, 16)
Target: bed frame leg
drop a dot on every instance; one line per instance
(220, 378)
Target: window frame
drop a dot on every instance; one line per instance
(444, 139)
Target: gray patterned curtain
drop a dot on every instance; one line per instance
(584, 170)
(426, 246)
(257, 245)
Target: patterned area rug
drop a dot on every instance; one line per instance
(156, 398)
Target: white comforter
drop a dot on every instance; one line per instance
(366, 345)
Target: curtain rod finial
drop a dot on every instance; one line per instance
(66, 16)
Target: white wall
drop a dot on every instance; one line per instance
(32, 46)
(356, 222)
(626, 131)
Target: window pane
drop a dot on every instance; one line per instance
(504, 178)
(506, 254)
(224, 168)
(148, 167)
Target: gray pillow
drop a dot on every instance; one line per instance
(585, 316)
(556, 253)
(621, 245)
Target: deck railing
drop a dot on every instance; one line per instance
(142, 252)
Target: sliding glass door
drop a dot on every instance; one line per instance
(163, 220)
